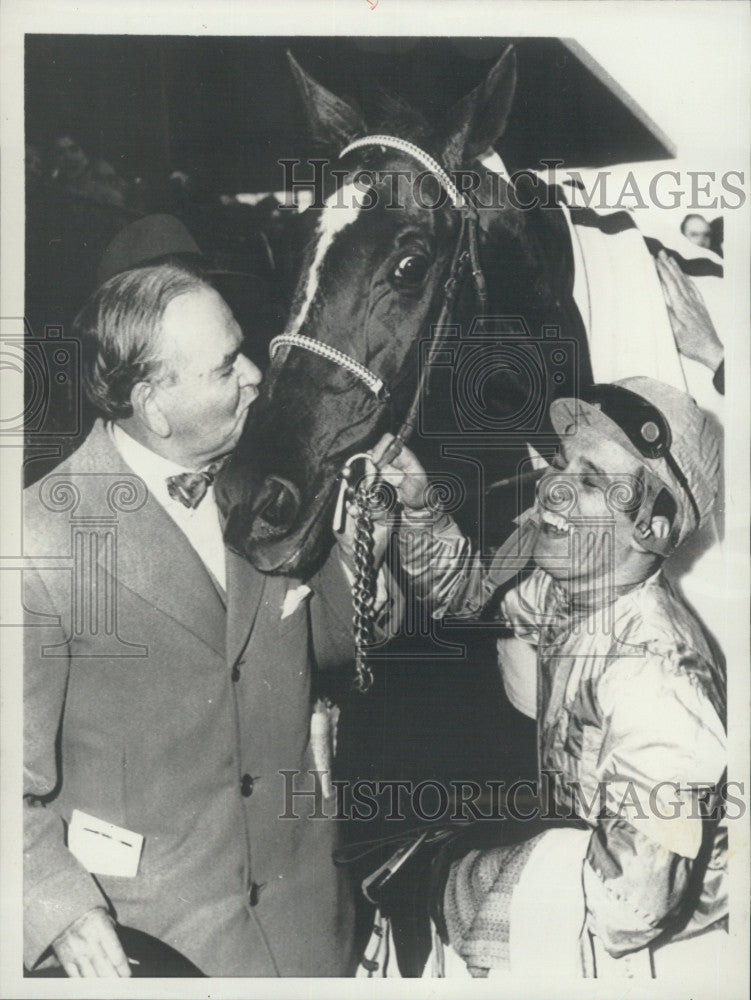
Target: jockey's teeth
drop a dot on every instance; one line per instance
(556, 521)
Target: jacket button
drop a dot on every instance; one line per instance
(254, 893)
(236, 672)
(246, 785)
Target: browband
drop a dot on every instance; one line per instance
(425, 159)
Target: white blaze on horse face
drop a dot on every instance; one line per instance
(340, 210)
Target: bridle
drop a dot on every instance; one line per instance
(466, 256)
(466, 253)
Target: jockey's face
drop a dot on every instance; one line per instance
(585, 503)
(206, 386)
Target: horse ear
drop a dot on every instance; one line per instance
(333, 122)
(477, 120)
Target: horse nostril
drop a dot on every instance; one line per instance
(278, 504)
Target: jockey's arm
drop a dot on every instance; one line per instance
(662, 739)
(436, 560)
(440, 566)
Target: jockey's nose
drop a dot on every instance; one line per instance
(556, 491)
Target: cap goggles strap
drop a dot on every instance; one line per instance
(644, 426)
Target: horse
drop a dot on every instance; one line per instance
(376, 271)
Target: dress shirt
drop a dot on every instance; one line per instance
(200, 524)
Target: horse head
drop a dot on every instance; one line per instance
(373, 271)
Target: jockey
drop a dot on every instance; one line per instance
(631, 697)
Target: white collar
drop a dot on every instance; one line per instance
(152, 468)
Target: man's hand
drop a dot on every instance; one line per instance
(90, 947)
(693, 329)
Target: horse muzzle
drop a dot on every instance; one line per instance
(276, 508)
(270, 532)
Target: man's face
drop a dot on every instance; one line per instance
(206, 385)
(583, 504)
(699, 232)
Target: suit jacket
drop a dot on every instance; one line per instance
(150, 705)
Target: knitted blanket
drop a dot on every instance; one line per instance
(477, 901)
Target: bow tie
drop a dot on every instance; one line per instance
(190, 487)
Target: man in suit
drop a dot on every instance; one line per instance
(167, 683)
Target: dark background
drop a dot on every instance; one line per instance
(227, 108)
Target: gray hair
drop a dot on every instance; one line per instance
(119, 329)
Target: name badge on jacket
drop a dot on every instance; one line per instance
(103, 848)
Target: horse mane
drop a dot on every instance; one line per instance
(398, 117)
(329, 131)
(390, 113)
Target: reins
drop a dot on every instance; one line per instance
(466, 257)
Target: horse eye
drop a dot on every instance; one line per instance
(410, 271)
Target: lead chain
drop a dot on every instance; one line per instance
(363, 594)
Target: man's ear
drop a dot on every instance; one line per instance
(146, 408)
(477, 120)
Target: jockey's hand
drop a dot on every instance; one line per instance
(407, 476)
(90, 947)
(693, 329)
(403, 472)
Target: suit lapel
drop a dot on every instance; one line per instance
(154, 558)
(245, 587)
(174, 579)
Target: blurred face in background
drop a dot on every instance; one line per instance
(68, 159)
(698, 231)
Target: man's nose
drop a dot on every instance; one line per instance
(248, 373)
